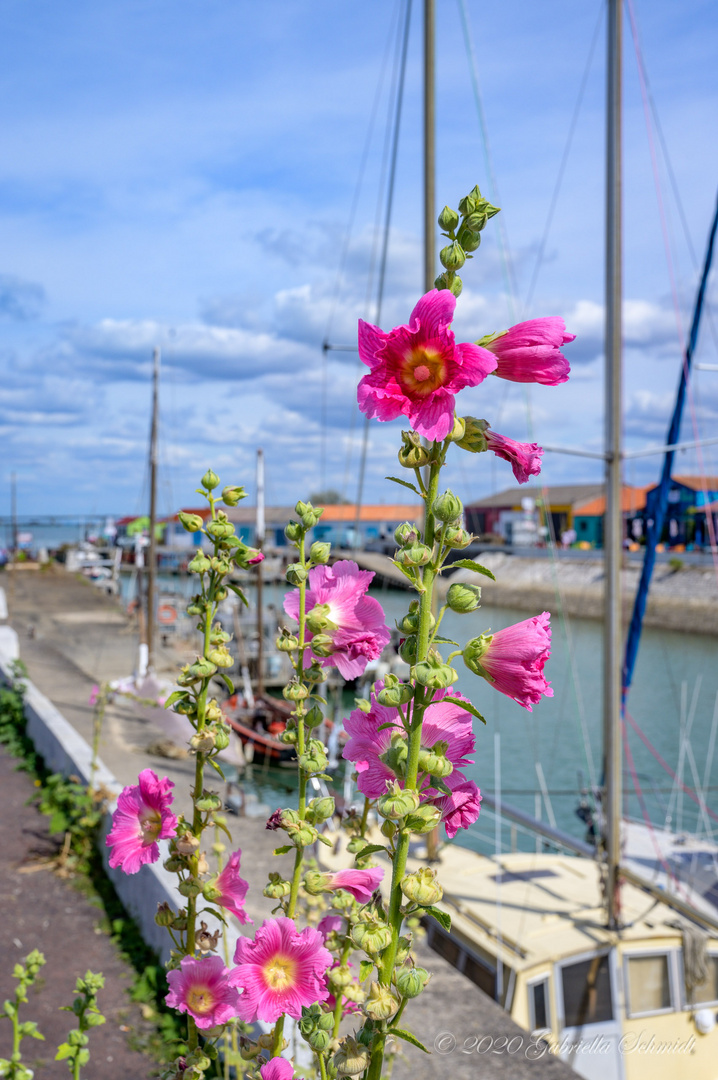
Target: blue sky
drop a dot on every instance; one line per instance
(180, 174)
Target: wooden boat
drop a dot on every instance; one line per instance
(259, 728)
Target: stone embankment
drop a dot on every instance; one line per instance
(684, 599)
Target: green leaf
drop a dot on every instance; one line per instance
(176, 695)
(444, 641)
(236, 589)
(402, 1034)
(217, 766)
(408, 572)
(227, 682)
(63, 1051)
(466, 705)
(365, 969)
(438, 783)
(442, 917)
(363, 704)
(322, 776)
(406, 484)
(389, 723)
(318, 697)
(370, 849)
(469, 564)
(283, 850)
(58, 822)
(324, 840)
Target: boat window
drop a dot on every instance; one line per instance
(706, 992)
(587, 992)
(539, 1012)
(649, 986)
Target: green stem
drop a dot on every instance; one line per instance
(278, 1037)
(364, 817)
(322, 1066)
(440, 616)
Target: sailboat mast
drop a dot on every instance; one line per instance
(429, 144)
(152, 560)
(260, 530)
(613, 536)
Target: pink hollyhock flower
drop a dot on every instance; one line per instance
(525, 458)
(530, 352)
(277, 1068)
(94, 694)
(444, 721)
(202, 989)
(461, 808)
(360, 883)
(141, 819)
(331, 924)
(417, 369)
(354, 621)
(256, 556)
(280, 971)
(513, 659)
(232, 889)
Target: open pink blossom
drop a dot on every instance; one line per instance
(525, 458)
(142, 817)
(444, 721)
(331, 924)
(461, 808)
(232, 889)
(531, 352)
(417, 369)
(360, 883)
(202, 988)
(513, 659)
(280, 971)
(354, 621)
(277, 1068)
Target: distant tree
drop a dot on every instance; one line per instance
(327, 498)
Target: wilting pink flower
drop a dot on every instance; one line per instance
(255, 556)
(360, 883)
(513, 659)
(277, 1068)
(232, 889)
(530, 352)
(280, 971)
(331, 924)
(141, 819)
(461, 808)
(525, 458)
(417, 369)
(444, 721)
(355, 622)
(202, 989)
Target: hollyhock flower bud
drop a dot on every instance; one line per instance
(406, 533)
(314, 717)
(410, 623)
(531, 351)
(322, 645)
(381, 1003)
(319, 1040)
(434, 673)
(210, 480)
(221, 736)
(417, 369)
(319, 553)
(165, 915)
(209, 801)
(277, 888)
(434, 761)
(447, 507)
(293, 531)
(232, 495)
(200, 564)
(318, 618)
(203, 742)
(425, 819)
(412, 456)
(295, 691)
(213, 712)
(314, 759)
(474, 439)
(448, 219)
(372, 936)
(221, 657)
(411, 981)
(296, 574)
(408, 649)
(205, 941)
(475, 222)
(470, 241)
(202, 668)
(340, 976)
(452, 256)
(513, 659)
(189, 888)
(320, 810)
(351, 1059)
(396, 754)
(415, 554)
(456, 287)
(395, 694)
(191, 522)
(219, 530)
(525, 458)
(315, 883)
(422, 888)
(463, 597)
(397, 802)
(308, 514)
(457, 538)
(287, 642)
(459, 429)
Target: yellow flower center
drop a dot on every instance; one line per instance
(150, 824)
(280, 972)
(423, 370)
(199, 1000)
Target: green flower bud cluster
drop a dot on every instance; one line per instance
(434, 672)
(411, 981)
(301, 833)
(394, 692)
(425, 819)
(319, 553)
(422, 888)
(473, 439)
(414, 554)
(316, 1027)
(463, 597)
(352, 1058)
(372, 935)
(277, 888)
(320, 810)
(381, 1003)
(463, 230)
(413, 453)
(434, 760)
(314, 759)
(447, 507)
(397, 802)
